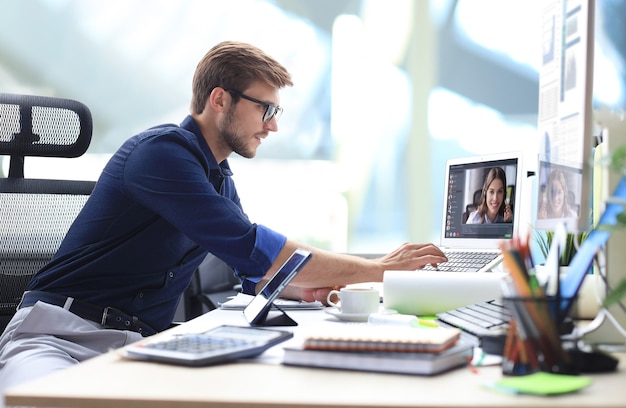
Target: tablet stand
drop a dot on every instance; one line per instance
(279, 320)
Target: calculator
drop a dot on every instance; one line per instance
(218, 345)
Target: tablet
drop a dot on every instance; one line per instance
(258, 310)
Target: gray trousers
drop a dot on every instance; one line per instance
(45, 338)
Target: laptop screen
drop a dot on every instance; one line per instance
(482, 199)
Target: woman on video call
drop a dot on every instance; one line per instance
(556, 204)
(492, 207)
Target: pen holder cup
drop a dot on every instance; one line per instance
(533, 341)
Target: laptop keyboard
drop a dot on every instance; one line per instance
(480, 319)
(463, 261)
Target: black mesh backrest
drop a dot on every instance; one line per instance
(33, 226)
(42, 126)
(35, 214)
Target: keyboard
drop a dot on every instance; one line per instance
(218, 345)
(464, 261)
(482, 320)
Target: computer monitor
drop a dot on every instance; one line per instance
(566, 157)
(565, 120)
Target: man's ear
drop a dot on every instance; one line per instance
(217, 100)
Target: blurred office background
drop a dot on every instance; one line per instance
(385, 91)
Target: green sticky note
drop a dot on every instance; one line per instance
(541, 383)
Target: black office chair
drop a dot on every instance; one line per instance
(213, 282)
(473, 206)
(35, 214)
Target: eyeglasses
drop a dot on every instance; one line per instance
(270, 110)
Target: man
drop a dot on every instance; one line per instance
(163, 202)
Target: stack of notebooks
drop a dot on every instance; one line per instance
(391, 349)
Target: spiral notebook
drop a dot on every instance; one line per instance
(396, 339)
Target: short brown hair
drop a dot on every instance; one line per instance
(234, 65)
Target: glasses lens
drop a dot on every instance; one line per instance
(272, 111)
(269, 112)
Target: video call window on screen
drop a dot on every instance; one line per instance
(558, 188)
(481, 200)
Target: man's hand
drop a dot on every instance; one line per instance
(413, 256)
(308, 294)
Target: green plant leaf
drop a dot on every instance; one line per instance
(543, 239)
(616, 294)
(617, 161)
(621, 218)
(572, 241)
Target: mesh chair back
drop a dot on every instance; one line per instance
(35, 214)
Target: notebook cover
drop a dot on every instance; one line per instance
(390, 339)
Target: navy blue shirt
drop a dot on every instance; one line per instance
(161, 204)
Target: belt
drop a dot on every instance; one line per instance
(108, 317)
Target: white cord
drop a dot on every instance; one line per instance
(613, 320)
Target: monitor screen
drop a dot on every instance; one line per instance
(565, 116)
(478, 195)
(559, 196)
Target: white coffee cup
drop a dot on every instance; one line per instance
(355, 300)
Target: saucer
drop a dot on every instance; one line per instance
(348, 317)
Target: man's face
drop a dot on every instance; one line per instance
(242, 128)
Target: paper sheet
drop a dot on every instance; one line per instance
(241, 300)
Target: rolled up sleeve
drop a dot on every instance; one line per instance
(267, 245)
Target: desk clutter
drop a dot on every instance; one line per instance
(539, 319)
(392, 349)
(533, 341)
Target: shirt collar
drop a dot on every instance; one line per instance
(223, 168)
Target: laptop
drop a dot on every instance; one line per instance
(465, 235)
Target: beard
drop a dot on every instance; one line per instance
(233, 139)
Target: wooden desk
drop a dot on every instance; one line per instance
(110, 380)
